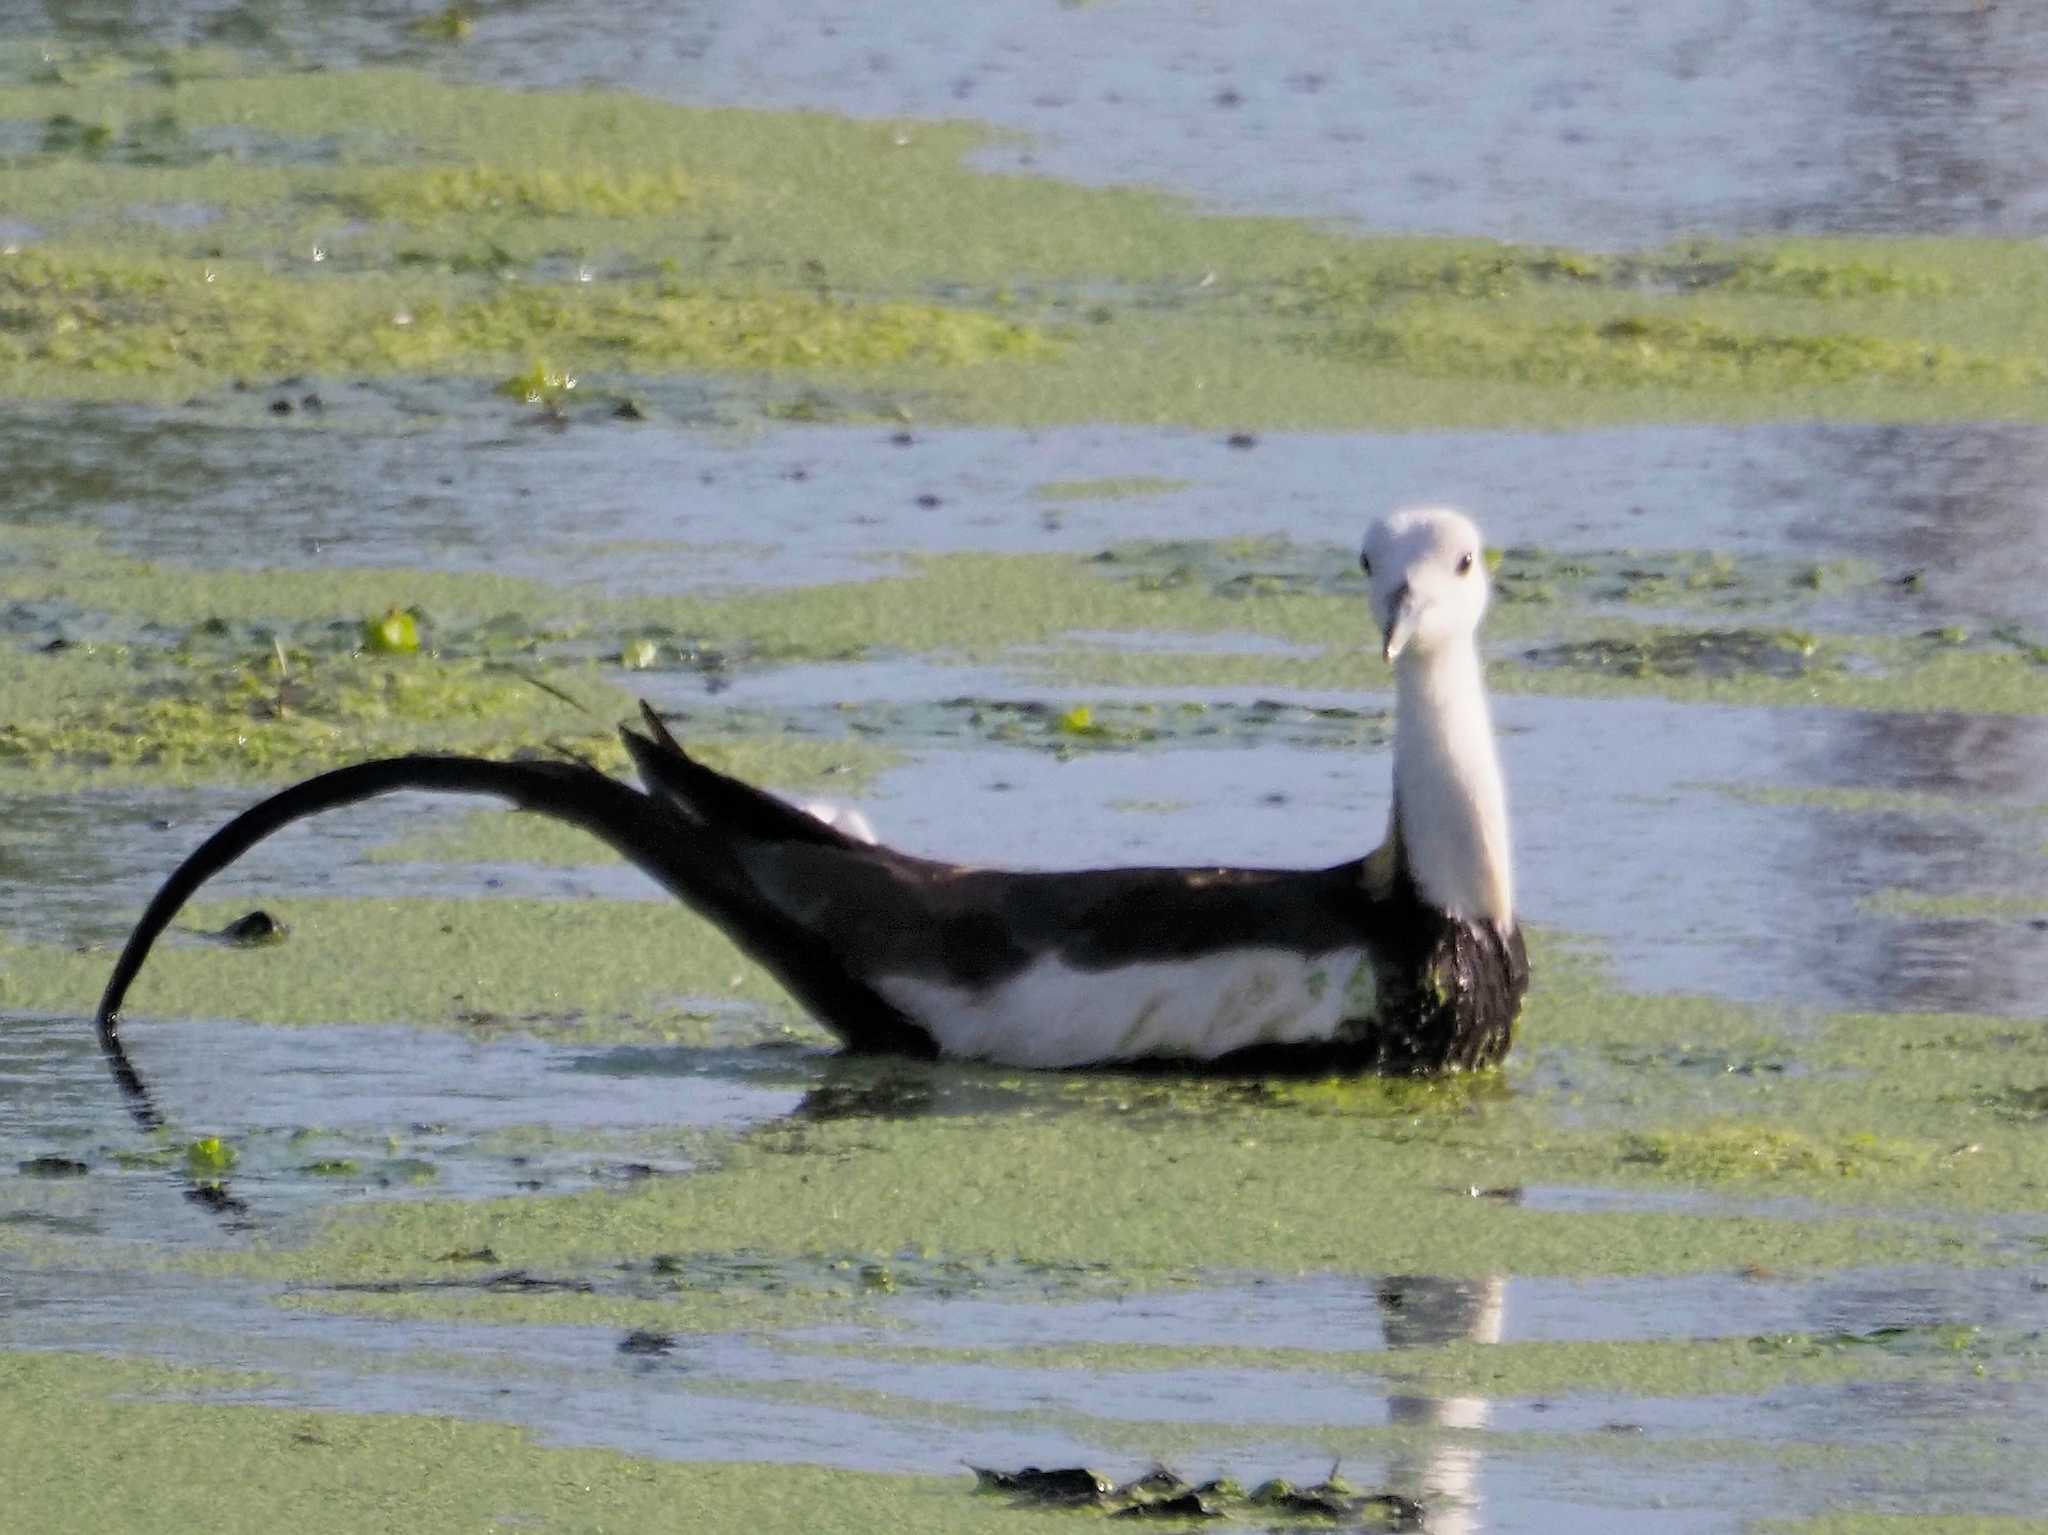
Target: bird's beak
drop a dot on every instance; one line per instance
(1401, 625)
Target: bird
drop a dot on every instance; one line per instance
(1408, 960)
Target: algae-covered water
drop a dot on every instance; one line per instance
(407, 379)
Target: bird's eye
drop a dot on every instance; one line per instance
(1465, 564)
(1365, 563)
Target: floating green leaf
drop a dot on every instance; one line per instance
(397, 633)
(209, 1156)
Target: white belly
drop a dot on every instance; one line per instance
(1191, 1009)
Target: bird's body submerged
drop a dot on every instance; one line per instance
(1409, 960)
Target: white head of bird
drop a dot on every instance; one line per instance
(1427, 571)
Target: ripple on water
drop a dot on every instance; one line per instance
(1807, 118)
(1952, 505)
(355, 1111)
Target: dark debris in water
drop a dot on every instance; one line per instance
(1708, 1062)
(161, 140)
(214, 1197)
(2030, 1103)
(504, 1282)
(1717, 653)
(887, 1097)
(468, 1255)
(1163, 1494)
(52, 1167)
(1183, 1505)
(252, 930)
(2032, 649)
(1062, 1488)
(647, 1344)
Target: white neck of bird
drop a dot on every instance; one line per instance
(1450, 806)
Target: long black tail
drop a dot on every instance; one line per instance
(644, 829)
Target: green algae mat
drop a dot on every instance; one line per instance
(97, 1445)
(351, 223)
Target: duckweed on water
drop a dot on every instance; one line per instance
(1454, 314)
(451, 24)
(584, 191)
(833, 767)
(1179, 1176)
(118, 596)
(1638, 350)
(1664, 1368)
(1983, 907)
(1681, 578)
(1859, 800)
(697, 1291)
(187, 323)
(137, 722)
(1716, 1152)
(205, 695)
(1111, 725)
(396, 633)
(572, 967)
(1604, 580)
(290, 684)
(1863, 672)
(539, 385)
(245, 722)
(1193, 1175)
(209, 1157)
(368, 221)
(1680, 653)
(1796, 269)
(1158, 1200)
(96, 1445)
(1806, 271)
